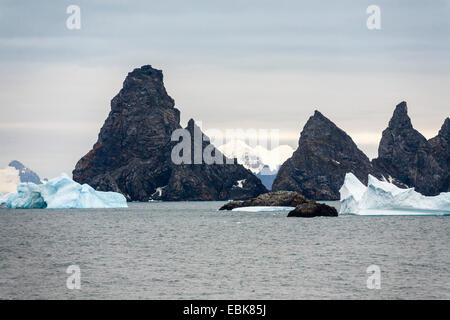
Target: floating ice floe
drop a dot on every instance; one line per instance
(61, 193)
(384, 198)
(263, 209)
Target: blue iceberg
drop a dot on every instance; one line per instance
(61, 193)
(384, 198)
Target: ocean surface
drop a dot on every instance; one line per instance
(189, 250)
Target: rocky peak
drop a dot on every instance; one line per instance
(324, 155)
(444, 133)
(319, 126)
(200, 141)
(318, 115)
(16, 164)
(318, 120)
(133, 153)
(405, 155)
(400, 132)
(442, 140)
(400, 118)
(191, 126)
(143, 88)
(440, 150)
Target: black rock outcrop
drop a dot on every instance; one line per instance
(440, 150)
(133, 152)
(324, 155)
(26, 175)
(310, 210)
(303, 207)
(270, 199)
(406, 157)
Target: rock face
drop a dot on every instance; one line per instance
(211, 181)
(270, 199)
(133, 153)
(26, 175)
(325, 154)
(405, 155)
(133, 145)
(309, 210)
(405, 158)
(440, 150)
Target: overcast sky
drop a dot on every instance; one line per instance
(230, 64)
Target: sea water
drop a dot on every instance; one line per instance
(189, 250)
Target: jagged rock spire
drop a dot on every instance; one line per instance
(324, 155)
(400, 118)
(133, 152)
(405, 155)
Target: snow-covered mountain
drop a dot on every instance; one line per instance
(26, 174)
(14, 174)
(256, 158)
(262, 162)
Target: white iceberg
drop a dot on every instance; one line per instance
(384, 198)
(263, 209)
(61, 193)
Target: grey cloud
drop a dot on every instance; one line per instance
(268, 62)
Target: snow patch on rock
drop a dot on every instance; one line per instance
(240, 183)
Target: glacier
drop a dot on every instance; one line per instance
(384, 198)
(61, 193)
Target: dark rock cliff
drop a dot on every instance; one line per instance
(270, 199)
(310, 210)
(440, 150)
(324, 155)
(133, 152)
(405, 155)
